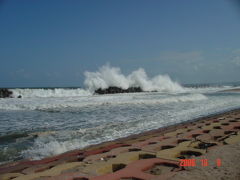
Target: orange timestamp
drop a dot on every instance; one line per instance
(193, 162)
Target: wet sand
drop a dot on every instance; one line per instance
(155, 154)
(228, 170)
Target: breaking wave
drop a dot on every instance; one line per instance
(108, 76)
(105, 77)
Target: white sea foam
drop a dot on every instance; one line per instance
(43, 149)
(71, 103)
(56, 92)
(107, 76)
(210, 89)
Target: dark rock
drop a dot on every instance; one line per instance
(5, 93)
(114, 90)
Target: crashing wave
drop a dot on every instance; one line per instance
(108, 80)
(108, 76)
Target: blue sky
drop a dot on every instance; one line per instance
(52, 43)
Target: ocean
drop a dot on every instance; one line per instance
(50, 121)
(47, 122)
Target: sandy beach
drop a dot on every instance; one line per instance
(156, 154)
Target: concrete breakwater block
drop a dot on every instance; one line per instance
(104, 149)
(9, 176)
(70, 176)
(144, 169)
(109, 166)
(110, 154)
(75, 155)
(184, 150)
(233, 139)
(50, 172)
(19, 167)
(152, 140)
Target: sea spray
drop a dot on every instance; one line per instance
(108, 76)
(105, 77)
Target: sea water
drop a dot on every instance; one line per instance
(47, 122)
